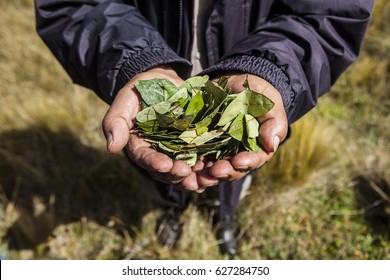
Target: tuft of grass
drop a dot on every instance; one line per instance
(312, 146)
(83, 240)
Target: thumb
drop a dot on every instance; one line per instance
(272, 132)
(119, 119)
(274, 124)
(116, 129)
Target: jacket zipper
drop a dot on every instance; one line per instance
(181, 14)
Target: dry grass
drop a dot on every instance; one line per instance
(325, 195)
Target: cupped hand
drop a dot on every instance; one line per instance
(119, 122)
(273, 130)
(118, 126)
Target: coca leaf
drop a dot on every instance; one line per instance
(195, 82)
(180, 94)
(189, 158)
(207, 136)
(195, 106)
(150, 126)
(188, 136)
(155, 90)
(251, 144)
(252, 126)
(259, 104)
(246, 102)
(237, 128)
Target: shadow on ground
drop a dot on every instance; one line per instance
(373, 196)
(52, 179)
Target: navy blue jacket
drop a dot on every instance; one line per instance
(300, 47)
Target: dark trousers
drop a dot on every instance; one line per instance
(226, 193)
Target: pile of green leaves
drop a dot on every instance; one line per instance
(201, 118)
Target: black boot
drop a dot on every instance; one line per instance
(226, 231)
(169, 227)
(225, 198)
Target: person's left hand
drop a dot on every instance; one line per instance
(273, 130)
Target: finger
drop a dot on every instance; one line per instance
(166, 178)
(224, 170)
(201, 189)
(175, 176)
(273, 125)
(205, 179)
(116, 130)
(119, 119)
(201, 169)
(142, 154)
(273, 130)
(180, 169)
(199, 165)
(190, 182)
(245, 161)
(221, 170)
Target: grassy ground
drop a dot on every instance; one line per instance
(326, 194)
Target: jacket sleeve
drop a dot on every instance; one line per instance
(302, 48)
(102, 44)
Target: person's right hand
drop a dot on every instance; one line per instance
(118, 126)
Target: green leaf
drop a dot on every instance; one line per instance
(236, 106)
(259, 104)
(246, 102)
(231, 148)
(201, 130)
(151, 91)
(217, 94)
(164, 120)
(252, 126)
(251, 145)
(161, 135)
(195, 106)
(195, 82)
(162, 107)
(164, 148)
(176, 110)
(189, 158)
(180, 146)
(236, 130)
(147, 114)
(214, 146)
(222, 82)
(150, 126)
(188, 136)
(205, 137)
(182, 93)
(169, 87)
(182, 123)
(206, 122)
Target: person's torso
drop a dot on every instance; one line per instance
(221, 25)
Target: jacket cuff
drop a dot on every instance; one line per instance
(142, 61)
(261, 67)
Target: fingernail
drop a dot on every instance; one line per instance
(242, 168)
(222, 177)
(109, 141)
(276, 142)
(176, 179)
